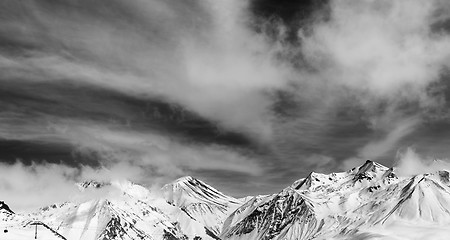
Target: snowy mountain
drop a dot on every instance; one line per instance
(201, 202)
(123, 211)
(367, 202)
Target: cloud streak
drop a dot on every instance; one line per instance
(156, 153)
(200, 55)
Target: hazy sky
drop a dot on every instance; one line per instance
(245, 95)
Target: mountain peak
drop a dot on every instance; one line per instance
(306, 182)
(370, 170)
(201, 202)
(371, 166)
(92, 184)
(4, 207)
(185, 179)
(185, 189)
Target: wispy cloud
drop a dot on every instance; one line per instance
(400, 129)
(410, 163)
(387, 55)
(201, 55)
(205, 56)
(149, 150)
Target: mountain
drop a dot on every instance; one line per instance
(124, 210)
(118, 214)
(367, 202)
(201, 202)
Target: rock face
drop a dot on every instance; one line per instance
(5, 208)
(367, 202)
(277, 216)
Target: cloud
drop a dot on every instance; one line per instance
(394, 129)
(384, 52)
(159, 155)
(400, 129)
(29, 187)
(205, 56)
(368, 63)
(143, 157)
(36, 186)
(383, 48)
(321, 163)
(150, 150)
(201, 55)
(410, 163)
(386, 55)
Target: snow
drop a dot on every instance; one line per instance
(201, 202)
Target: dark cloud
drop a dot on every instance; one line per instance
(28, 152)
(288, 11)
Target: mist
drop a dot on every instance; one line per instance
(410, 163)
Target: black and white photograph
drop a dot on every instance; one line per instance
(225, 119)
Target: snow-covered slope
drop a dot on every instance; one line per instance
(347, 205)
(367, 202)
(123, 212)
(201, 202)
(118, 210)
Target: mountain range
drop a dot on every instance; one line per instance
(367, 202)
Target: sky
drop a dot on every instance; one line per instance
(247, 95)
